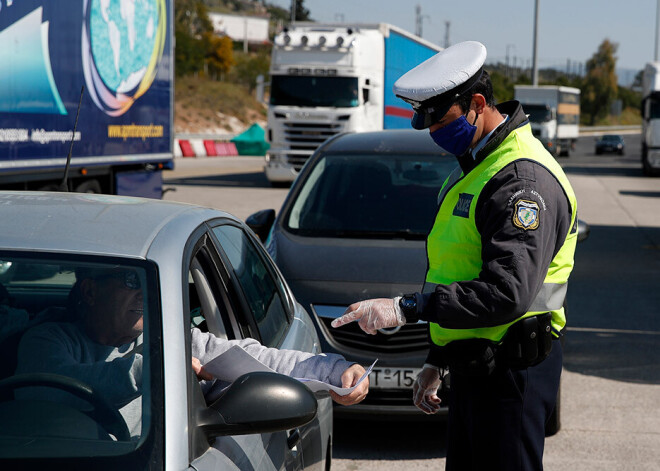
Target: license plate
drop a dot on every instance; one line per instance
(393, 378)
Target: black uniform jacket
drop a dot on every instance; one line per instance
(514, 261)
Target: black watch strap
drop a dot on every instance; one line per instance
(408, 305)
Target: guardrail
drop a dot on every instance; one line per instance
(596, 130)
(199, 145)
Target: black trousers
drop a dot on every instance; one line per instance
(497, 422)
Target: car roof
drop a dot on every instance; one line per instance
(92, 224)
(391, 141)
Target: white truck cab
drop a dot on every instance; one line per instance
(328, 79)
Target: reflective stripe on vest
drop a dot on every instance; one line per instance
(550, 297)
(454, 243)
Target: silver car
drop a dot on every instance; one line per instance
(193, 267)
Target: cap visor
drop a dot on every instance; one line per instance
(421, 120)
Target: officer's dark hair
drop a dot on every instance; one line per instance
(484, 87)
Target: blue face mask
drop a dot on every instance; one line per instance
(457, 136)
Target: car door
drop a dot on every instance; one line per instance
(232, 294)
(280, 322)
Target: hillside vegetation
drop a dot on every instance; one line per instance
(206, 106)
(215, 78)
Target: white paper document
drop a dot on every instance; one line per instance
(236, 362)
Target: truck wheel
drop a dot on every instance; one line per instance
(89, 186)
(647, 169)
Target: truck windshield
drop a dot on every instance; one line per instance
(537, 113)
(339, 92)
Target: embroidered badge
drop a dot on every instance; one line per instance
(462, 207)
(526, 215)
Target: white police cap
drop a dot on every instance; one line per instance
(434, 85)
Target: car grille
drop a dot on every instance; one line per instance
(410, 338)
(305, 138)
(389, 397)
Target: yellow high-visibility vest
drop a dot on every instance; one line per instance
(454, 243)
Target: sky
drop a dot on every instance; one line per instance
(568, 30)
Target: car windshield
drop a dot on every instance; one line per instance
(74, 378)
(340, 92)
(611, 138)
(370, 196)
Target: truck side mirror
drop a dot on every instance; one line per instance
(365, 95)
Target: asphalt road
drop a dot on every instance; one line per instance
(611, 379)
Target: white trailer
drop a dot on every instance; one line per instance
(554, 114)
(651, 119)
(332, 78)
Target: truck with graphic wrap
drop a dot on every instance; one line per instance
(326, 79)
(94, 79)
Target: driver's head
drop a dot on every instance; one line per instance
(110, 304)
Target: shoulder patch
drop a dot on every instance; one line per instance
(526, 214)
(462, 207)
(525, 170)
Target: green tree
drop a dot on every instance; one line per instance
(248, 67)
(192, 15)
(188, 55)
(600, 84)
(302, 13)
(191, 24)
(219, 54)
(502, 86)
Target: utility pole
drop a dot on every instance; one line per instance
(419, 18)
(509, 73)
(447, 24)
(657, 26)
(293, 11)
(535, 66)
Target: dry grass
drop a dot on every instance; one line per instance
(202, 105)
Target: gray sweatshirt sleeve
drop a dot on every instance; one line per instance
(323, 367)
(62, 349)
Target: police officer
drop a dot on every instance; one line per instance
(499, 256)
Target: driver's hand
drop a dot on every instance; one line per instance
(348, 379)
(200, 371)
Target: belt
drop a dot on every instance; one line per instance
(527, 343)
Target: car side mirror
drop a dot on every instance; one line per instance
(259, 402)
(261, 222)
(583, 230)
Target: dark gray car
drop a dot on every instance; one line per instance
(354, 227)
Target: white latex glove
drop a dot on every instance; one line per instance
(425, 389)
(373, 314)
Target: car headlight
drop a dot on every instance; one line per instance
(4, 267)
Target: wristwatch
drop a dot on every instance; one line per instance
(408, 305)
